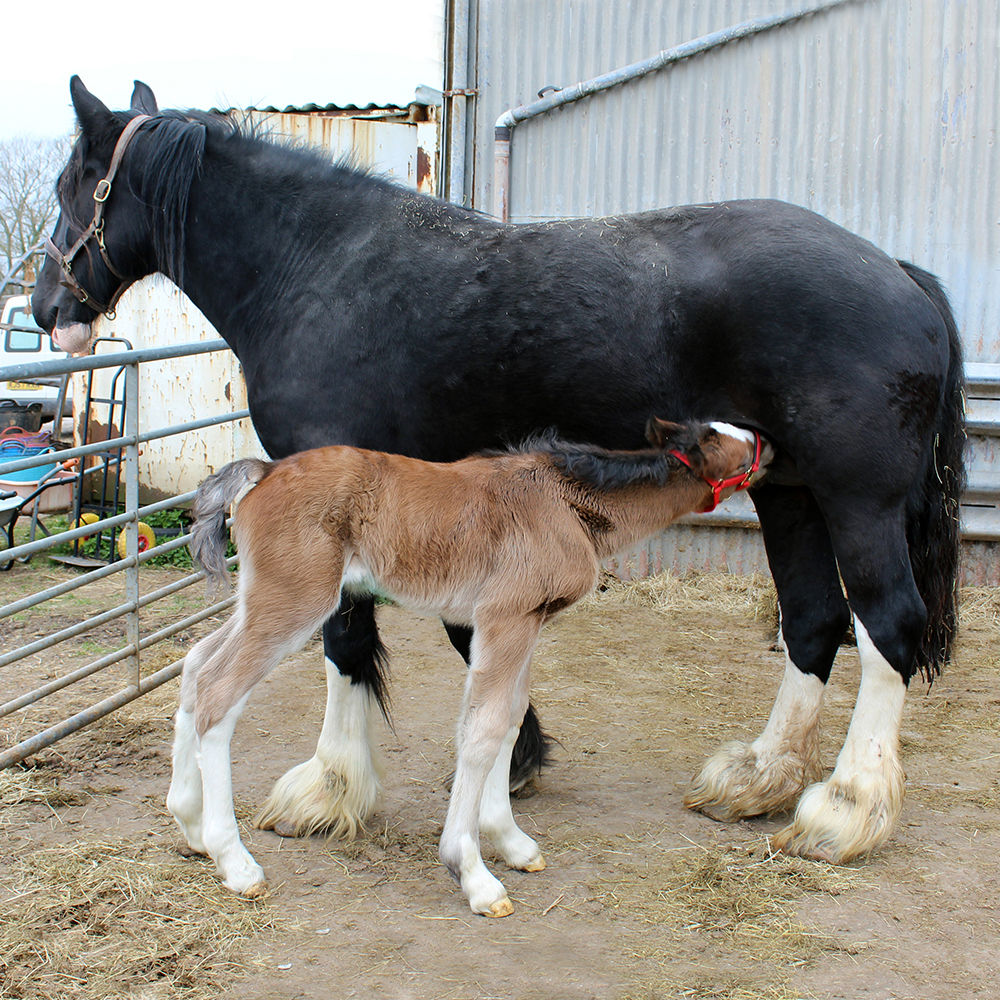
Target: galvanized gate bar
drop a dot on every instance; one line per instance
(36, 369)
(113, 444)
(89, 669)
(53, 734)
(30, 548)
(129, 653)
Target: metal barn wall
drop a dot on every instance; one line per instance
(880, 114)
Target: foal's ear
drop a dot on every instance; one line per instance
(91, 112)
(677, 437)
(663, 433)
(143, 99)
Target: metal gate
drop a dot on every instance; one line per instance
(132, 680)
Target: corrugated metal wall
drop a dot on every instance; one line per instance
(880, 114)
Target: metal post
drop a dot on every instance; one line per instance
(131, 428)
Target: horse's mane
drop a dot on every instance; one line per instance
(162, 168)
(591, 465)
(160, 173)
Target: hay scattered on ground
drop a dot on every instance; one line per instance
(753, 593)
(113, 918)
(743, 897)
(979, 607)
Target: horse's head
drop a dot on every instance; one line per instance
(728, 458)
(101, 242)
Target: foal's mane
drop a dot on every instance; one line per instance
(590, 465)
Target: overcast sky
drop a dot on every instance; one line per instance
(206, 53)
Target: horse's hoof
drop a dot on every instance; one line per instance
(257, 891)
(501, 908)
(538, 865)
(285, 828)
(187, 851)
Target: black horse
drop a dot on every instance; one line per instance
(368, 315)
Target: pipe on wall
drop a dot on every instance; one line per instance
(514, 116)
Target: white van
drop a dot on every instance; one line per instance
(21, 341)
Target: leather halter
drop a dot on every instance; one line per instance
(741, 480)
(96, 231)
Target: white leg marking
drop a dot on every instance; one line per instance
(496, 819)
(336, 789)
(459, 848)
(496, 697)
(855, 811)
(220, 833)
(766, 776)
(184, 798)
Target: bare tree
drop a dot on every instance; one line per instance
(28, 172)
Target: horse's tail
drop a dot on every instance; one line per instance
(933, 527)
(219, 493)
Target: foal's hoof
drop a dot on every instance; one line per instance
(538, 865)
(187, 851)
(285, 828)
(501, 908)
(257, 891)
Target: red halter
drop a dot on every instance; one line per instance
(741, 480)
(96, 231)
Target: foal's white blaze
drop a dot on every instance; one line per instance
(854, 811)
(338, 788)
(767, 775)
(740, 433)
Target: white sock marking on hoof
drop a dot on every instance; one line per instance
(766, 776)
(338, 788)
(856, 810)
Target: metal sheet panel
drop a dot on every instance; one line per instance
(404, 151)
(881, 115)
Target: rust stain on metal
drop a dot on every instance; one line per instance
(425, 179)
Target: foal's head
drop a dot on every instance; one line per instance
(728, 458)
(713, 452)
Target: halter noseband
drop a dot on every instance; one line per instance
(741, 480)
(96, 231)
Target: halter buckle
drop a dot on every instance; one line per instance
(102, 191)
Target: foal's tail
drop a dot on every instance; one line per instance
(217, 495)
(932, 516)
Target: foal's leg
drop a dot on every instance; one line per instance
(271, 622)
(184, 799)
(338, 787)
(533, 748)
(856, 809)
(496, 818)
(767, 775)
(496, 695)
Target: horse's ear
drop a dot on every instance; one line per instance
(143, 99)
(91, 112)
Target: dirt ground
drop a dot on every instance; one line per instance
(641, 899)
